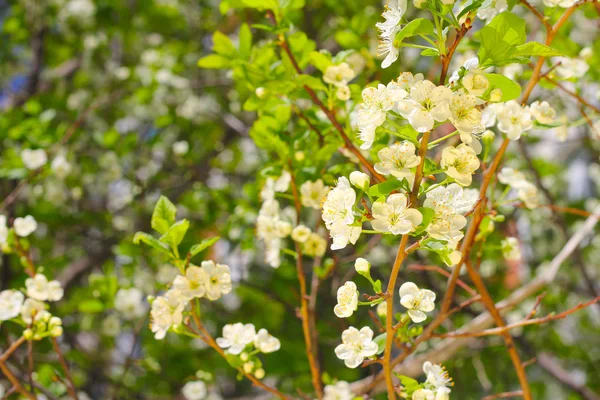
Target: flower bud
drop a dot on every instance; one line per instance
(360, 180)
(299, 156)
(362, 266)
(248, 367)
(455, 257)
(496, 95)
(260, 373)
(419, 3)
(28, 334)
(343, 93)
(244, 356)
(301, 234)
(260, 92)
(382, 309)
(57, 331)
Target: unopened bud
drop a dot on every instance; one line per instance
(260, 373)
(360, 180)
(496, 95)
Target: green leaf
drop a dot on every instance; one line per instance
(471, 6)
(428, 215)
(205, 244)
(380, 340)
(377, 286)
(499, 40)
(409, 385)
(163, 215)
(90, 306)
(384, 188)
(151, 241)
(223, 45)
(536, 49)
(310, 81)
(419, 26)
(320, 60)
(175, 234)
(430, 52)
(214, 61)
(510, 89)
(245, 41)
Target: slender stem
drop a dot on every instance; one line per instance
(71, 386)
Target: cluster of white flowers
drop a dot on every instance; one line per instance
(39, 288)
(210, 280)
(339, 76)
(436, 387)
(24, 226)
(338, 214)
(527, 192)
(450, 204)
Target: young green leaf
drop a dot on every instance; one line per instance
(163, 215)
(418, 26)
(151, 241)
(245, 41)
(380, 340)
(203, 245)
(223, 45)
(175, 234)
(510, 89)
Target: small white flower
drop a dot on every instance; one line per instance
(166, 311)
(181, 147)
(560, 3)
(360, 180)
(356, 346)
(337, 207)
(193, 284)
(395, 216)
(25, 226)
(39, 288)
(460, 163)
(388, 29)
(490, 8)
(315, 246)
(475, 82)
(542, 112)
(427, 103)
(10, 304)
(511, 250)
(417, 301)
(312, 194)
(397, 160)
(512, 177)
(34, 159)
(301, 233)
(61, 166)
(343, 234)
(33, 310)
(219, 279)
(339, 75)
(465, 117)
(340, 391)
(347, 300)
(194, 390)
(513, 119)
(130, 303)
(372, 112)
(236, 337)
(529, 195)
(451, 199)
(437, 376)
(265, 342)
(343, 93)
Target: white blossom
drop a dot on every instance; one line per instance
(34, 159)
(39, 288)
(339, 391)
(130, 303)
(193, 283)
(265, 342)
(511, 249)
(465, 117)
(395, 216)
(219, 279)
(339, 75)
(61, 166)
(393, 14)
(337, 208)
(236, 337)
(347, 300)
(10, 304)
(475, 82)
(180, 147)
(542, 112)
(166, 311)
(301, 233)
(33, 310)
(312, 194)
(460, 163)
(343, 234)
(356, 346)
(397, 160)
(437, 376)
(417, 301)
(513, 119)
(25, 226)
(490, 8)
(426, 104)
(194, 390)
(314, 246)
(362, 266)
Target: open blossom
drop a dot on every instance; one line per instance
(475, 82)
(343, 234)
(312, 194)
(460, 162)
(451, 199)
(395, 216)
(427, 103)
(542, 112)
(511, 250)
(356, 346)
(417, 301)
(60, 166)
(236, 337)
(512, 177)
(314, 246)
(219, 279)
(272, 185)
(271, 229)
(397, 160)
(393, 14)
(528, 193)
(265, 342)
(33, 310)
(437, 376)
(130, 303)
(34, 159)
(337, 207)
(513, 119)
(301, 233)
(166, 311)
(465, 117)
(347, 300)
(571, 67)
(340, 391)
(193, 283)
(194, 390)
(40, 288)
(339, 75)
(10, 304)
(372, 112)
(25, 226)
(560, 3)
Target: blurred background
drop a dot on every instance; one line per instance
(114, 89)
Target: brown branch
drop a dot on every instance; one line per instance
(538, 14)
(71, 386)
(504, 395)
(572, 94)
(435, 268)
(447, 58)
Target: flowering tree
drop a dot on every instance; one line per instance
(332, 226)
